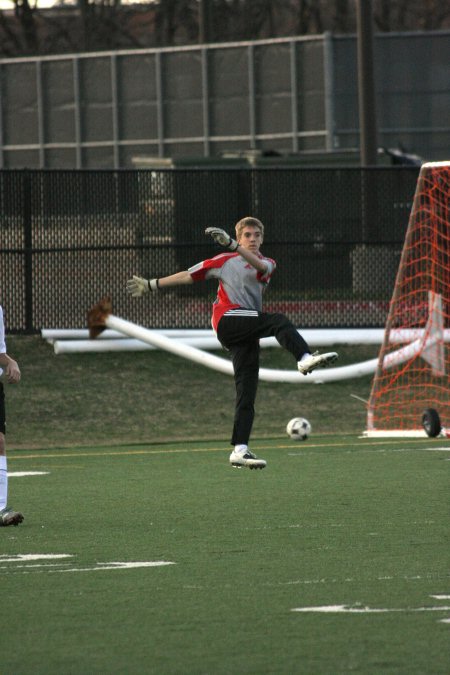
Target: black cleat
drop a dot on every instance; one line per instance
(10, 517)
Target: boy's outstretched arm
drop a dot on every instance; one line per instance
(138, 286)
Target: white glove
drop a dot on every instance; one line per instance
(138, 286)
(222, 238)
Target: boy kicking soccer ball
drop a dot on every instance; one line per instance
(243, 274)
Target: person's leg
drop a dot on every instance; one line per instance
(7, 516)
(289, 338)
(3, 467)
(245, 359)
(3, 474)
(279, 326)
(234, 328)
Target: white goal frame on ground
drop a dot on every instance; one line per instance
(73, 341)
(225, 366)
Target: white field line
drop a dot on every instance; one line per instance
(45, 566)
(21, 474)
(95, 567)
(119, 566)
(352, 580)
(447, 449)
(344, 609)
(24, 557)
(369, 450)
(258, 445)
(440, 597)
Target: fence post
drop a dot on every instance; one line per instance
(331, 142)
(28, 251)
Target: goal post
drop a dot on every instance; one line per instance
(420, 307)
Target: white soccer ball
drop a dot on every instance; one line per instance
(298, 429)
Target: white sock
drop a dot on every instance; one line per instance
(3, 482)
(241, 448)
(305, 356)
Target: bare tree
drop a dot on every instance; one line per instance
(176, 21)
(401, 15)
(308, 17)
(259, 19)
(19, 33)
(101, 26)
(343, 16)
(108, 24)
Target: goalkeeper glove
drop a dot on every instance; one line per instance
(138, 286)
(222, 238)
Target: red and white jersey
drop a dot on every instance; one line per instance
(240, 284)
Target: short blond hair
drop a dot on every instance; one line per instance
(248, 221)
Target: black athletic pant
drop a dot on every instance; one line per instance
(240, 335)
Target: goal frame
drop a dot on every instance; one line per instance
(371, 431)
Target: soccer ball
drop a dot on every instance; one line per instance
(298, 429)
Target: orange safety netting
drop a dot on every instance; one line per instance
(420, 306)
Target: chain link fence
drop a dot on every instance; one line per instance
(69, 238)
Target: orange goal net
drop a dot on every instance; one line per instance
(414, 361)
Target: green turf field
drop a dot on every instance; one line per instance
(82, 399)
(356, 527)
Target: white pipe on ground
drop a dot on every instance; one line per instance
(126, 345)
(156, 339)
(319, 337)
(52, 334)
(265, 374)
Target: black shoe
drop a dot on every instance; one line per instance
(10, 517)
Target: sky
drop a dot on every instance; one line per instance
(43, 4)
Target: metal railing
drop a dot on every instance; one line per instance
(287, 95)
